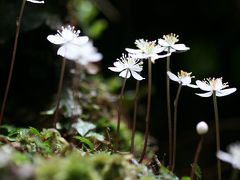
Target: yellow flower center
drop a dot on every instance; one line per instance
(145, 46)
(216, 83)
(130, 62)
(183, 74)
(171, 38)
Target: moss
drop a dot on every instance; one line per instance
(71, 167)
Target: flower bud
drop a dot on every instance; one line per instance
(202, 128)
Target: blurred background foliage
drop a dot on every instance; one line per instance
(210, 28)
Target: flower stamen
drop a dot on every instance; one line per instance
(146, 46)
(69, 32)
(184, 74)
(171, 38)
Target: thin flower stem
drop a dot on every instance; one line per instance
(134, 116)
(120, 103)
(196, 157)
(217, 133)
(55, 119)
(148, 110)
(169, 112)
(18, 25)
(175, 127)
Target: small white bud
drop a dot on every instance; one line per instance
(202, 128)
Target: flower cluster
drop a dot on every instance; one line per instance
(149, 50)
(210, 85)
(75, 47)
(146, 49)
(81, 50)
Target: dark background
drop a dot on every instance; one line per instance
(210, 28)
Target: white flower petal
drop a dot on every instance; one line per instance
(163, 56)
(225, 156)
(136, 76)
(85, 60)
(186, 80)
(153, 57)
(116, 69)
(225, 92)
(192, 85)
(158, 49)
(69, 51)
(233, 157)
(139, 56)
(80, 40)
(137, 68)
(207, 94)
(173, 76)
(125, 73)
(33, 1)
(56, 39)
(180, 47)
(95, 57)
(117, 64)
(82, 61)
(218, 84)
(236, 165)
(171, 50)
(203, 86)
(163, 43)
(62, 51)
(133, 51)
(88, 54)
(156, 56)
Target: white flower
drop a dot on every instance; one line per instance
(128, 66)
(169, 43)
(33, 1)
(233, 157)
(147, 49)
(183, 78)
(211, 85)
(88, 54)
(202, 128)
(70, 42)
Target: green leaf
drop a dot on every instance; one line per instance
(85, 141)
(20, 158)
(34, 131)
(8, 128)
(83, 127)
(9, 132)
(185, 178)
(85, 11)
(97, 28)
(48, 112)
(96, 136)
(113, 84)
(197, 172)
